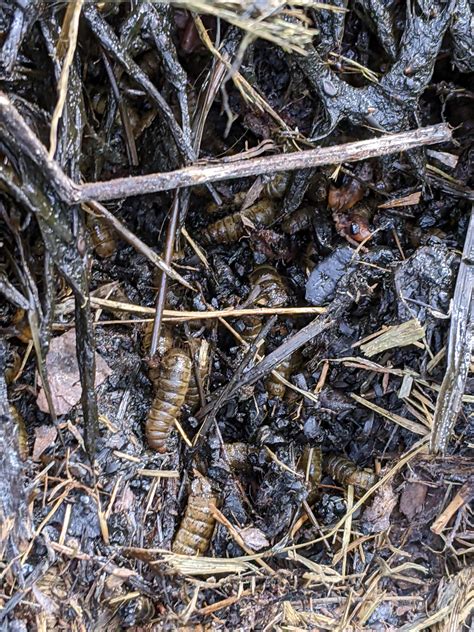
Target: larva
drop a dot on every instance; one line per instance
(165, 343)
(137, 612)
(230, 206)
(21, 326)
(311, 466)
(193, 398)
(346, 472)
(103, 238)
(231, 228)
(299, 220)
(22, 434)
(275, 388)
(276, 187)
(171, 389)
(272, 293)
(195, 531)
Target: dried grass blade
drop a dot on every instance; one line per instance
(397, 419)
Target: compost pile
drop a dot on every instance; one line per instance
(219, 384)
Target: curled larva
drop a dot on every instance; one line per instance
(103, 237)
(195, 531)
(272, 292)
(171, 389)
(311, 466)
(276, 187)
(275, 388)
(231, 228)
(299, 220)
(346, 472)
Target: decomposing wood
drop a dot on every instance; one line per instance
(460, 345)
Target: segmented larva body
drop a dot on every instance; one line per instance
(171, 389)
(238, 454)
(137, 612)
(276, 187)
(193, 397)
(231, 206)
(165, 341)
(273, 293)
(346, 472)
(275, 388)
(195, 531)
(22, 326)
(311, 466)
(22, 434)
(299, 220)
(103, 238)
(231, 228)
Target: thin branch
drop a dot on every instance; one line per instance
(203, 173)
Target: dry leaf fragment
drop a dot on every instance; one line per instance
(45, 437)
(63, 373)
(413, 499)
(376, 518)
(254, 538)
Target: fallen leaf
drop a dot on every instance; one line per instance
(376, 518)
(413, 499)
(45, 437)
(63, 373)
(254, 538)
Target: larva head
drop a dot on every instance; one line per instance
(176, 363)
(201, 487)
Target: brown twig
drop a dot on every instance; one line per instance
(167, 255)
(72, 193)
(201, 174)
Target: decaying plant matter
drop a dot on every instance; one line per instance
(256, 219)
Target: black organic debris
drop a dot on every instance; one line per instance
(260, 217)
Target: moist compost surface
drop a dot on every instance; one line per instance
(180, 487)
